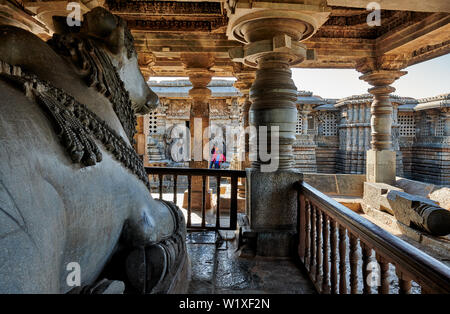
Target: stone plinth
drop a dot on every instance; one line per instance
(381, 166)
(273, 215)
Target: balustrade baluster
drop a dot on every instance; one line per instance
(333, 245)
(302, 228)
(307, 234)
(325, 238)
(353, 264)
(366, 252)
(312, 246)
(384, 275)
(318, 244)
(404, 284)
(342, 262)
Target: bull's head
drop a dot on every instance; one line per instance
(113, 33)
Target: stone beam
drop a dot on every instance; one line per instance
(432, 31)
(402, 5)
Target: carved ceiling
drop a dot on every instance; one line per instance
(165, 31)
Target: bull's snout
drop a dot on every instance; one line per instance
(152, 100)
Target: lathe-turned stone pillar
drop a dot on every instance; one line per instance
(272, 44)
(381, 158)
(245, 78)
(200, 75)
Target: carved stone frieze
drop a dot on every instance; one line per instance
(176, 25)
(164, 7)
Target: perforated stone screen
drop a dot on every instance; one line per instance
(329, 124)
(440, 127)
(152, 122)
(299, 125)
(407, 125)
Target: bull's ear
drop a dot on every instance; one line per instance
(116, 39)
(99, 23)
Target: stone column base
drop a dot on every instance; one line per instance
(272, 212)
(381, 166)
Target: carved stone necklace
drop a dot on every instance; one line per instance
(75, 125)
(95, 66)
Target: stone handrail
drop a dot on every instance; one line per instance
(325, 228)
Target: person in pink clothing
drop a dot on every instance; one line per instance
(218, 158)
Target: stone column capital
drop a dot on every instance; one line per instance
(382, 78)
(274, 32)
(199, 78)
(145, 62)
(381, 63)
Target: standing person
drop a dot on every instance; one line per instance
(219, 159)
(213, 153)
(222, 159)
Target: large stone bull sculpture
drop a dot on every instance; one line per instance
(72, 189)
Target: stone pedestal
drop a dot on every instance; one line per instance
(381, 166)
(273, 215)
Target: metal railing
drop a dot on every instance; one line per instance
(234, 175)
(373, 258)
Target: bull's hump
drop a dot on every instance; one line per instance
(32, 54)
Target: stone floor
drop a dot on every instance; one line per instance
(216, 268)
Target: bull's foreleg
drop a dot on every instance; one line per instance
(151, 266)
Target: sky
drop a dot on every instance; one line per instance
(426, 79)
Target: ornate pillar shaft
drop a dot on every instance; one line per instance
(245, 78)
(273, 96)
(199, 116)
(198, 69)
(381, 158)
(271, 38)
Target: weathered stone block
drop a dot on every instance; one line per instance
(375, 195)
(272, 199)
(419, 212)
(381, 166)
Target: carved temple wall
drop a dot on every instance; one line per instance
(332, 135)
